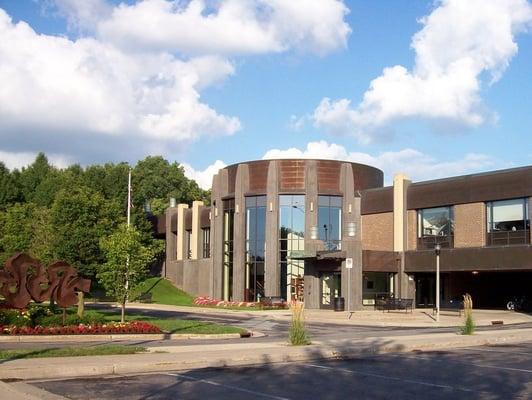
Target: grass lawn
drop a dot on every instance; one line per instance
(163, 292)
(102, 350)
(173, 325)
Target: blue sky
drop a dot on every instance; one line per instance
(216, 82)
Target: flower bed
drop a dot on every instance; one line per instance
(208, 301)
(81, 329)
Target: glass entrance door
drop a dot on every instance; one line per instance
(330, 288)
(425, 291)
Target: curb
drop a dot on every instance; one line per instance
(117, 337)
(201, 356)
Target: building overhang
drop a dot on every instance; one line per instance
(319, 255)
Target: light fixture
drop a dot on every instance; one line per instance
(311, 206)
(271, 206)
(475, 272)
(351, 229)
(437, 249)
(314, 232)
(349, 208)
(173, 202)
(215, 211)
(237, 208)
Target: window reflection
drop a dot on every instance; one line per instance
(435, 225)
(255, 240)
(330, 221)
(508, 222)
(292, 239)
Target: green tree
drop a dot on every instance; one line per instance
(80, 218)
(31, 177)
(43, 238)
(127, 263)
(9, 190)
(16, 231)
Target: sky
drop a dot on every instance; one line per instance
(426, 88)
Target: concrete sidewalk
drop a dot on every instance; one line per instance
(220, 355)
(419, 318)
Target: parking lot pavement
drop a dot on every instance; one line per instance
(488, 372)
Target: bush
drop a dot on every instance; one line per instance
(89, 318)
(15, 318)
(297, 333)
(469, 324)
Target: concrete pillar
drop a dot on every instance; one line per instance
(196, 230)
(272, 273)
(312, 280)
(239, 233)
(406, 286)
(171, 238)
(181, 237)
(351, 245)
(219, 189)
(312, 286)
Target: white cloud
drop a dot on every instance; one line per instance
(222, 27)
(55, 84)
(460, 42)
(204, 177)
(134, 73)
(417, 165)
(25, 158)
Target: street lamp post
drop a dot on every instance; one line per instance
(437, 250)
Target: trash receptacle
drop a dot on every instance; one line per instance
(339, 304)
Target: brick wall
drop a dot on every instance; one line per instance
(411, 239)
(377, 231)
(469, 225)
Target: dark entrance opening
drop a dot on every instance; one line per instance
(489, 290)
(330, 288)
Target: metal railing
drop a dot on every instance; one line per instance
(428, 242)
(506, 238)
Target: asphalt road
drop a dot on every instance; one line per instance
(496, 372)
(273, 329)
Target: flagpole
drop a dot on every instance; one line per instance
(128, 223)
(129, 198)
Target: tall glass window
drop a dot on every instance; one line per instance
(255, 240)
(206, 243)
(508, 222)
(292, 239)
(229, 220)
(188, 244)
(435, 225)
(330, 221)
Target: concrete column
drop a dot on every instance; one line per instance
(181, 242)
(239, 233)
(272, 273)
(312, 281)
(351, 245)
(195, 244)
(219, 189)
(171, 238)
(312, 286)
(406, 286)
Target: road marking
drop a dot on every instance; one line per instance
(240, 389)
(391, 378)
(522, 353)
(528, 371)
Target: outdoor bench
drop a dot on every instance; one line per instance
(398, 304)
(273, 301)
(451, 305)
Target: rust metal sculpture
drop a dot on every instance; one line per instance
(24, 278)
